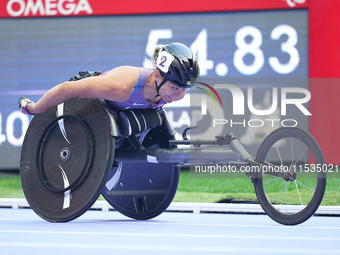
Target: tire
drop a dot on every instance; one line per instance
(294, 199)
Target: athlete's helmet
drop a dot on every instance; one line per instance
(178, 64)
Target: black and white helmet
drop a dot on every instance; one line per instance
(178, 64)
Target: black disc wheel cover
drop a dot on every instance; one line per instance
(66, 157)
(143, 190)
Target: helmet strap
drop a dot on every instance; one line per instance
(154, 98)
(157, 89)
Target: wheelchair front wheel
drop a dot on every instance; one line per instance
(292, 199)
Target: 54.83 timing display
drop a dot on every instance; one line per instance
(248, 57)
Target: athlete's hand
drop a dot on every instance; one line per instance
(24, 105)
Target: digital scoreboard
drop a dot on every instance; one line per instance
(265, 48)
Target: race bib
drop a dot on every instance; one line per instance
(164, 61)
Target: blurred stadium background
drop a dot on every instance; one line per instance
(261, 44)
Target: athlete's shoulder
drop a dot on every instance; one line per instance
(122, 69)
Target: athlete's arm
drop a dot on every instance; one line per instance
(117, 85)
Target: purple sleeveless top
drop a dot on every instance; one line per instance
(137, 99)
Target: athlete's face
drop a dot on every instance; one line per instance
(170, 92)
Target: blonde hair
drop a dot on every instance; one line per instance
(152, 62)
(154, 55)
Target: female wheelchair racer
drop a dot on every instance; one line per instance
(78, 147)
(176, 69)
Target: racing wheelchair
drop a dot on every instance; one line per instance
(82, 148)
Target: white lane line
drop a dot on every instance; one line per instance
(233, 225)
(155, 222)
(180, 248)
(205, 236)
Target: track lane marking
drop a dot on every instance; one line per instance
(180, 248)
(213, 236)
(156, 222)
